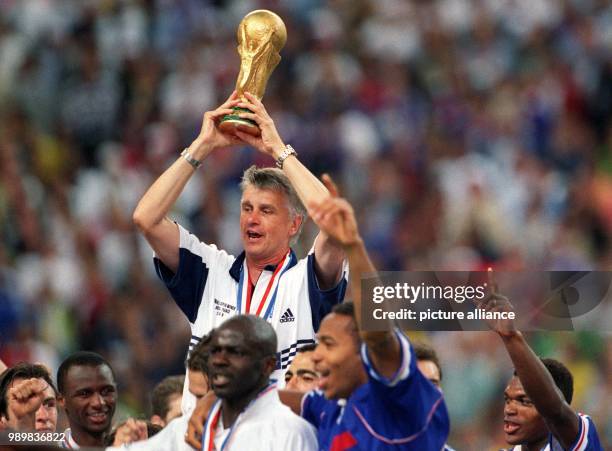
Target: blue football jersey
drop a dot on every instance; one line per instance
(586, 440)
(405, 412)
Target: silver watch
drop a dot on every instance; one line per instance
(192, 161)
(283, 156)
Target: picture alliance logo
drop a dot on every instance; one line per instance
(287, 316)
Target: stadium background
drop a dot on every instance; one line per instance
(465, 133)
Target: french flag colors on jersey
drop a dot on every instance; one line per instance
(587, 439)
(210, 286)
(406, 412)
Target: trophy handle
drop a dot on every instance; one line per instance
(232, 122)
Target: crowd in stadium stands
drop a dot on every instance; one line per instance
(465, 133)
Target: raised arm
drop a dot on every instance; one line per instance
(336, 218)
(328, 255)
(151, 212)
(23, 400)
(539, 385)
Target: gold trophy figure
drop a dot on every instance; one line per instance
(261, 35)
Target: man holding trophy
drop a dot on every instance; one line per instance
(267, 279)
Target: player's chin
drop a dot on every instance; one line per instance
(98, 427)
(513, 439)
(330, 391)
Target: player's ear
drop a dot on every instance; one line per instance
(296, 222)
(269, 365)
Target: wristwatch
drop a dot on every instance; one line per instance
(192, 161)
(283, 156)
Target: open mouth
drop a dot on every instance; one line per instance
(253, 236)
(510, 427)
(220, 380)
(323, 379)
(98, 417)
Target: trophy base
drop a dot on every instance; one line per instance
(230, 123)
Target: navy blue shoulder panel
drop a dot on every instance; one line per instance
(322, 301)
(187, 285)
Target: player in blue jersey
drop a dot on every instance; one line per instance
(429, 364)
(371, 394)
(537, 412)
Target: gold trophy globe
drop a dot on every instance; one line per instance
(261, 35)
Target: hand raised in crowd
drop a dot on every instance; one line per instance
(24, 398)
(495, 302)
(210, 135)
(270, 141)
(195, 427)
(130, 431)
(335, 216)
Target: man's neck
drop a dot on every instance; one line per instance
(361, 379)
(85, 438)
(231, 408)
(256, 266)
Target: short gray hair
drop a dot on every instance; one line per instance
(274, 179)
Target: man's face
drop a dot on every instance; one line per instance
(90, 397)
(301, 374)
(198, 383)
(337, 358)
(46, 415)
(522, 422)
(235, 366)
(266, 226)
(430, 370)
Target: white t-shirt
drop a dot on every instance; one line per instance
(265, 425)
(209, 287)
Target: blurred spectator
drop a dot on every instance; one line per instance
(465, 132)
(166, 400)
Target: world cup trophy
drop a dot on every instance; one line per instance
(261, 35)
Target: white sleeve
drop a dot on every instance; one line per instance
(209, 253)
(171, 437)
(302, 437)
(404, 369)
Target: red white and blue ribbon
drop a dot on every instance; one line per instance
(265, 306)
(68, 442)
(208, 440)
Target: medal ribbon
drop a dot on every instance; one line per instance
(243, 298)
(208, 440)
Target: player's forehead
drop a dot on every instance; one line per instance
(80, 377)
(230, 335)
(338, 328)
(254, 195)
(302, 360)
(514, 388)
